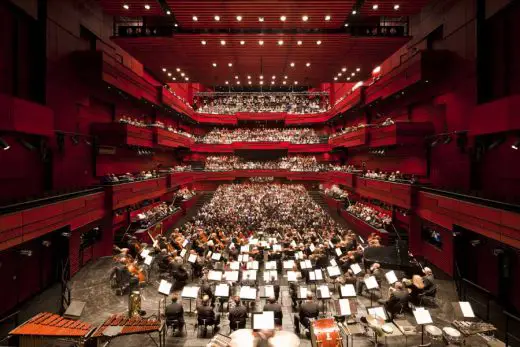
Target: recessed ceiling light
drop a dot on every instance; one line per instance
(163, 70)
(308, 64)
(327, 17)
(146, 7)
(217, 18)
(230, 64)
(249, 82)
(182, 74)
(353, 74)
(203, 42)
(214, 64)
(261, 43)
(178, 70)
(335, 78)
(292, 64)
(354, 12)
(299, 42)
(284, 82)
(238, 82)
(223, 43)
(348, 78)
(169, 74)
(344, 69)
(126, 7)
(227, 82)
(173, 78)
(346, 24)
(396, 7)
(261, 77)
(377, 70)
(239, 18)
(236, 77)
(248, 77)
(358, 69)
(285, 77)
(242, 42)
(339, 74)
(260, 19)
(194, 18)
(318, 42)
(187, 78)
(375, 6)
(168, 12)
(283, 18)
(295, 82)
(280, 42)
(274, 77)
(272, 82)
(305, 18)
(261, 82)
(176, 25)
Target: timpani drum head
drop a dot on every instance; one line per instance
(387, 328)
(432, 330)
(451, 332)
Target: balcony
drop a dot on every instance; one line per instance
(176, 179)
(351, 101)
(117, 134)
(346, 179)
(504, 115)
(400, 133)
(364, 229)
(165, 138)
(125, 194)
(352, 139)
(260, 146)
(392, 193)
(23, 116)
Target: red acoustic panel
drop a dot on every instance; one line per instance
(117, 134)
(177, 179)
(169, 139)
(125, 194)
(334, 205)
(343, 178)
(401, 133)
(503, 226)
(503, 112)
(26, 225)
(353, 139)
(188, 204)
(350, 101)
(392, 193)
(363, 229)
(22, 116)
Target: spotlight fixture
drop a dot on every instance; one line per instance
(305, 18)
(176, 25)
(203, 42)
(375, 7)
(126, 7)
(239, 18)
(353, 74)
(182, 74)
(238, 82)
(295, 82)
(163, 70)
(285, 77)
(261, 82)
(249, 82)
(173, 78)
(354, 12)
(227, 82)
(146, 7)
(261, 42)
(327, 18)
(339, 74)
(292, 64)
(283, 18)
(187, 79)
(261, 77)
(169, 74)
(358, 69)
(168, 12)
(308, 64)
(230, 64)
(344, 69)
(280, 42)
(178, 70)
(217, 18)
(284, 82)
(376, 70)
(223, 42)
(273, 77)
(194, 18)
(348, 78)
(272, 82)
(345, 25)
(516, 145)
(260, 19)
(214, 64)
(242, 42)
(236, 77)
(299, 43)
(396, 7)
(248, 77)
(335, 78)
(318, 42)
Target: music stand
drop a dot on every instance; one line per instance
(263, 321)
(231, 276)
(372, 285)
(323, 293)
(347, 291)
(269, 274)
(292, 276)
(215, 275)
(355, 268)
(391, 277)
(165, 288)
(191, 293)
(234, 265)
(222, 292)
(270, 265)
(183, 252)
(422, 317)
(192, 258)
(216, 256)
(249, 275)
(288, 264)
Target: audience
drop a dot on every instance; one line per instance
(185, 193)
(296, 163)
(293, 135)
(336, 192)
(157, 124)
(370, 215)
(228, 103)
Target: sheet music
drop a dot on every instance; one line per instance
(348, 290)
(253, 242)
(148, 260)
(263, 321)
(252, 265)
(422, 316)
(331, 245)
(214, 275)
(300, 254)
(234, 265)
(293, 243)
(144, 253)
(338, 252)
(165, 287)
(319, 275)
(244, 249)
(222, 290)
(231, 276)
(333, 262)
(303, 265)
(270, 265)
(277, 248)
(308, 263)
(288, 264)
(269, 291)
(231, 245)
(190, 292)
(312, 276)
(325, 292)
(391, 277)
(216, 256)
(344, 307)
(272, 239)
(292, 276)
(333, 271)
(209, 254)
(371, 282)
(378, 312)
(243, 258)
(183, 252)
(192, 258)
(467, 310)
(355, 268)
(248, 293)
(312, 248)
(270, 274)
(249, 275)
(185, 242)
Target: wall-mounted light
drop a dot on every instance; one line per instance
(4, 145)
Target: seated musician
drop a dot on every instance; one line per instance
(121, 277)
(206, 315)
(205, 289)
(308, 310)
(429, 281)
(415, 288)
(174, 313)
(179, 273)
(276, 288)
(375, 270)
(237, 315)
(274, 306)
(398, 300)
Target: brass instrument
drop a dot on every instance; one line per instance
(134, 304)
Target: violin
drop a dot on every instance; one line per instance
(202, 236)
(136, 271)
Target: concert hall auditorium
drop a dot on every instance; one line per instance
(259, 173)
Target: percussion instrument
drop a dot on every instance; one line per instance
(433, 332)
(452, 335)
(468, 328)
(387, 329)
(325, 333)
(219, 340)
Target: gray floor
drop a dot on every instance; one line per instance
(91, 285)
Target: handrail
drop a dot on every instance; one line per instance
(484, 291)
(48, 200)
(510, 316)
(9, 316)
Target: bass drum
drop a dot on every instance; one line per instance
(325, 333)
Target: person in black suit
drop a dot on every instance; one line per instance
(308, 310)
(174, 313)
(205, 289)
(276, 288)
(237, 315)
(398, 300)
(275, 307)
(206, 314)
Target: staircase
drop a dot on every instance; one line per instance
(206, 196)
(317, 196)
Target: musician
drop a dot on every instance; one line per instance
(179, 273)
(308, 310)
(237, 315)
(428, 279)
(206, 314)
(398, 300)
(121, 276)
(415, 288)
(274, 306)
(174, 313)
(375, 270)
(206, 290)
(276, 288)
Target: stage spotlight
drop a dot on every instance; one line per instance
(516, 145)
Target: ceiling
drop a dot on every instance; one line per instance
(338, 49)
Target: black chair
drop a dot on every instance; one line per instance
(237, 324)
(203, 325)
(175, 324)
